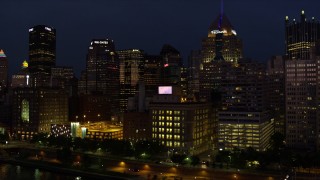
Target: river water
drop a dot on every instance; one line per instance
(14, 172)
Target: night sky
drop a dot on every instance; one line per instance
(145, 24)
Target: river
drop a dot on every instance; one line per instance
(15, 172)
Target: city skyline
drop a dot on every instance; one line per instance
(183, 25)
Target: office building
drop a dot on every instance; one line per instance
(276, 91)
(131, 72)
(301, 36)
(193, 74)
(171, 65)
(42, 54)
(220, 50)
(36, 109)
(222, 42)
(302, 111)
(152, 74)
(3, 71)
(243, 119)
(101, 77)
(177, 124)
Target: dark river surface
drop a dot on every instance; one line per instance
(15, 172)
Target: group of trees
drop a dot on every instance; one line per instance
(138, 149)
(277, 156)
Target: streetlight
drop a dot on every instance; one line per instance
(84, 118)
(98, 117)
(229, 160)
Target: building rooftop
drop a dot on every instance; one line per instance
(2, 53)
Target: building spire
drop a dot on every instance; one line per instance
(221, 14)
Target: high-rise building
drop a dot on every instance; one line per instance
(131, 72)
(35, 109)
(3, 70)
(101, 77)
(179, 125)
(194, 61)
(276, 91)
(244, 120)
(221, 49)
(42, 49)
(222, 42)
(171, 65)
(152, 74)
(301, 36)
(63, 77)
(102, 67)
(302, 103)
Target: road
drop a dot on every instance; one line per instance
(149, 170)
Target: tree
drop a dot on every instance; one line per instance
(277, 141)
(178, 158)
(195, 160)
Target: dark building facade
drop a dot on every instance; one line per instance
(3, 71)
(42, 53)
(171, 65)
(222, 47)
(101, 77)
(35, 109)
(131, 73)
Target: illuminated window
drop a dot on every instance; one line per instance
(25, 110)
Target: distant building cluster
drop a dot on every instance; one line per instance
(219, 100)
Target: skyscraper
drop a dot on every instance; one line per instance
(3, 70)
(222, 42)
(171, 65)
(301, 36)
(102, 67)
(36, 109)
(243, 120)
(302, 99)
(220, 49)
(42, 54)
(131, 72)
(42, 48)
(101, 77)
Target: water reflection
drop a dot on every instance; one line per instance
(9, 172)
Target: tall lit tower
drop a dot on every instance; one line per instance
(221, 47)
(42, 48)
(301, 36)
(99, 83)
(102, 71)
(222, 41)
(131, 73)
(3, 70)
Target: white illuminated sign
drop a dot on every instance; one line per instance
(27, 80)
(47, 28)
(165, 89)
(218, 32)
(30, 30)
(234, 32)
(101, 42)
